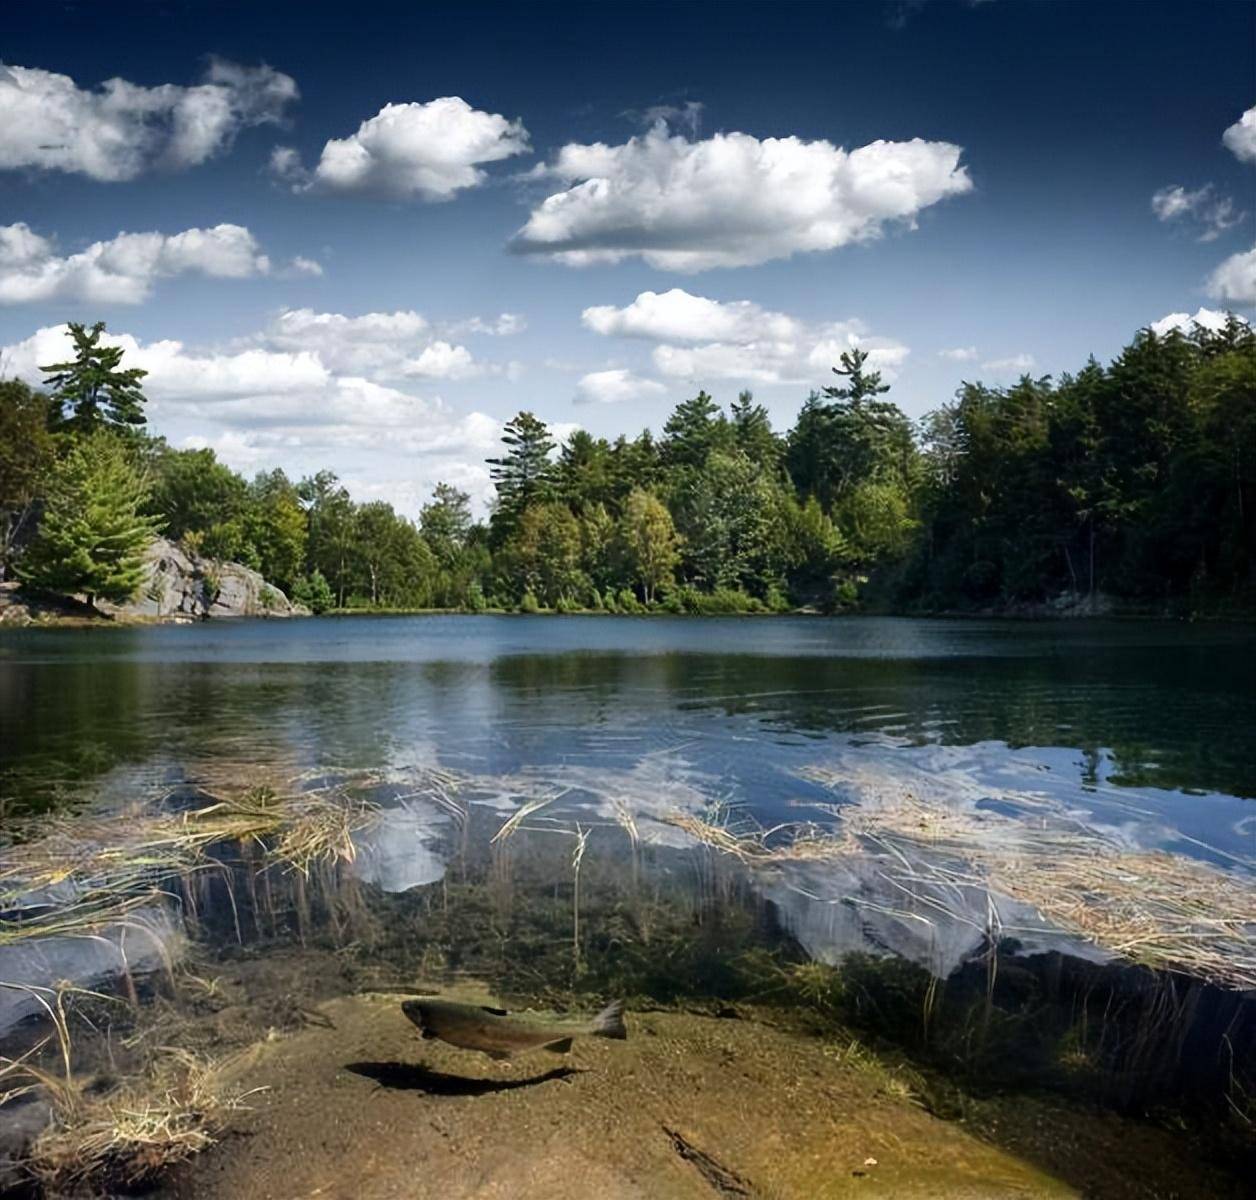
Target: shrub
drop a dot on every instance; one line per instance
(314, 592)
(628, 601)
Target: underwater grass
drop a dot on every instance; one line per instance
(134, 1133)
(1154, 908)
(74, 876)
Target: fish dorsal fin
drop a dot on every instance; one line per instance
(497, 1012)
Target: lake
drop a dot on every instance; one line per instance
(785, 791)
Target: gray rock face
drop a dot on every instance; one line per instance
(179, 585)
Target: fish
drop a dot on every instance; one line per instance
(493, 1031)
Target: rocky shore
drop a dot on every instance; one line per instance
(177, 587)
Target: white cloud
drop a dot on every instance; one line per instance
(959, 354)
(123, 269)
(305, 266)
(1212, 214)
(427, 151)
(1016, 364)
(503, 325)
(1206, 317)
(677, 316)
(440, 360)
(286, 407)
(1235, 279)
(387, 346)
(732, 199)
(121, 129)
(615, 386)
(738, 339)
(1240, 138)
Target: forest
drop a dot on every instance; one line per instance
(1134, 481)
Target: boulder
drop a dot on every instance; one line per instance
(178, 585)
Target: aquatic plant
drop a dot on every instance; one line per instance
(132, 1134)
(74, 876)
(1162, 910)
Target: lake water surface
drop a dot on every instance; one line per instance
(1151, 726)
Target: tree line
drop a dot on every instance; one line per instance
(1136, 480)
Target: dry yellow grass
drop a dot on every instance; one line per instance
(1159, 909)
(135, 1132)
(101, 870)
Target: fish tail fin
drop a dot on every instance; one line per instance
(609, 1023)
(562, 1046)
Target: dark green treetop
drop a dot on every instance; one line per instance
(524, 474)
(92, 388)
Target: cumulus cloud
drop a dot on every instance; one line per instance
(426, 151)
(702, 339)
(678, 316)
(260, 405)
(1240, 138)
(959, 354)
(124, 269)
(1211, 214)
(732, 199)
(1206, 317)
(614, 386)
(1016, 364)
(503, 325)
(120, 129)
(1234, 280)
(387, 345)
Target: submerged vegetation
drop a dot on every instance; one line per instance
(1130, 483)
(558, 908)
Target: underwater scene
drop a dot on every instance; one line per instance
(628, 907)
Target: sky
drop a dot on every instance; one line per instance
(362, 237)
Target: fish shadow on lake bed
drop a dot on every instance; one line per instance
(414, 1077)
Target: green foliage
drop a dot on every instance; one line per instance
(91, 386)
(693, 431)
(314, 592)
(524, 475)
(274, 526)
(1136, 479)
(93, 532)
(650, 545)
(543, 555)
(26, 462)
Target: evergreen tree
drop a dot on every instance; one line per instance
(92, 388)
(752, 432)
(524, 474)
(695, 428)
(445, 523)
(93, 531)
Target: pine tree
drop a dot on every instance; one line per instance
(524, 474)
(91, 386)
(93, 531)
(694, 429)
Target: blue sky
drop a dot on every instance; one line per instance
(608, 206)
